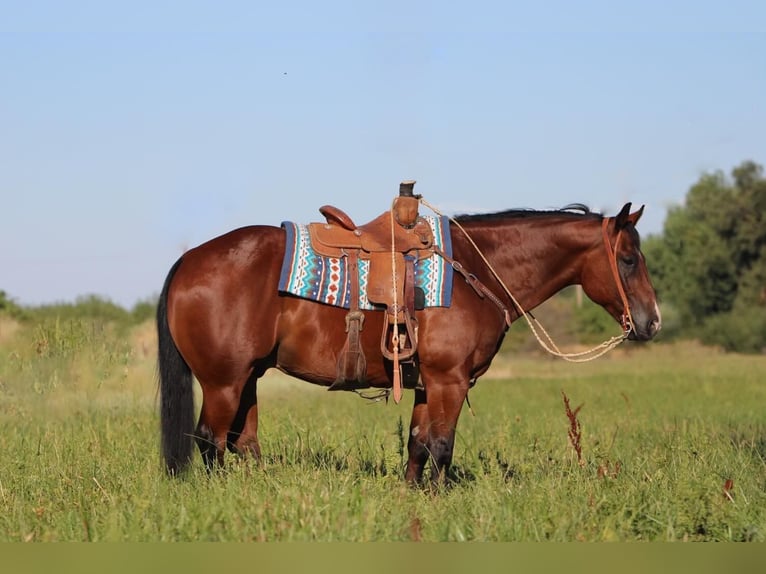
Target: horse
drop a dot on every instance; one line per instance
(222, 320)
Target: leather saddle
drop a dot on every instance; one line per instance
(373, 242)
(392, 243)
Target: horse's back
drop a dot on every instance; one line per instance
(243, 259)
(238, 246)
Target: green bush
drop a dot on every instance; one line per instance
(143, 311)
(93, 309)
(743, 332)
(88, 306)
(9, 307)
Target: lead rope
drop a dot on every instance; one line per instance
(395, 335)
(547, 343)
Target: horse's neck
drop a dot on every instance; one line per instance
(536, 258)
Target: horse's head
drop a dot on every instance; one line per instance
(616, 277)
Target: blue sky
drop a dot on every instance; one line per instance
(131, 131)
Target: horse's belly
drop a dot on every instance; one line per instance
(312, 337)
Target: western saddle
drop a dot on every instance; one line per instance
(391, 243)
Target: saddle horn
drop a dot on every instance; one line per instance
(405, 207)
(406, 188)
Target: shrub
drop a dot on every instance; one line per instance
(743, 332)
(9, 307)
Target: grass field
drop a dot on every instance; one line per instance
(672, 438)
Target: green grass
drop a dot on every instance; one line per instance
(663, 429)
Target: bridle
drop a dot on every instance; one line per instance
(611, 253)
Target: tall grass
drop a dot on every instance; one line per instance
(672, 439)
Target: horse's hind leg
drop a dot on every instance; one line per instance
(219, 407)
(244, 431)
(206, 443)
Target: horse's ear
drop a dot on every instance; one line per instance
(625, 216)
(636, 215)
(622, 218)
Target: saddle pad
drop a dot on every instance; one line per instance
(325, 279)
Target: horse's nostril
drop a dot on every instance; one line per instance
(654, 326)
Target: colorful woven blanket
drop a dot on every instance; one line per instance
(326, 280)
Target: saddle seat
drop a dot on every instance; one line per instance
(340, 234)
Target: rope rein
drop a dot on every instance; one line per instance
(542, 336)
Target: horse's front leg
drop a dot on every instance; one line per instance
(445, 401)
(417, 448)
(432, 431)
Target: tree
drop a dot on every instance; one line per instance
(710, 261)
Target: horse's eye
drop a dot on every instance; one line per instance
(628, 260)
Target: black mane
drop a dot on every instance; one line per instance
(573, 209)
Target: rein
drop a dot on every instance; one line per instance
(545, 340)
(481, 289)
(395, 336)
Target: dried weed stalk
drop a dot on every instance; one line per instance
(575, 431)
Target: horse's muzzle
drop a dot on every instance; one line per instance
(645, 330)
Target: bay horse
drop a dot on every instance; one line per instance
(221, 320)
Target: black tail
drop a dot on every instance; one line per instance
(176, 391)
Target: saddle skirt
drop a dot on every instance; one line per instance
(324, 277)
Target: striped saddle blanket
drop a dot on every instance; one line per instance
(326, 280)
